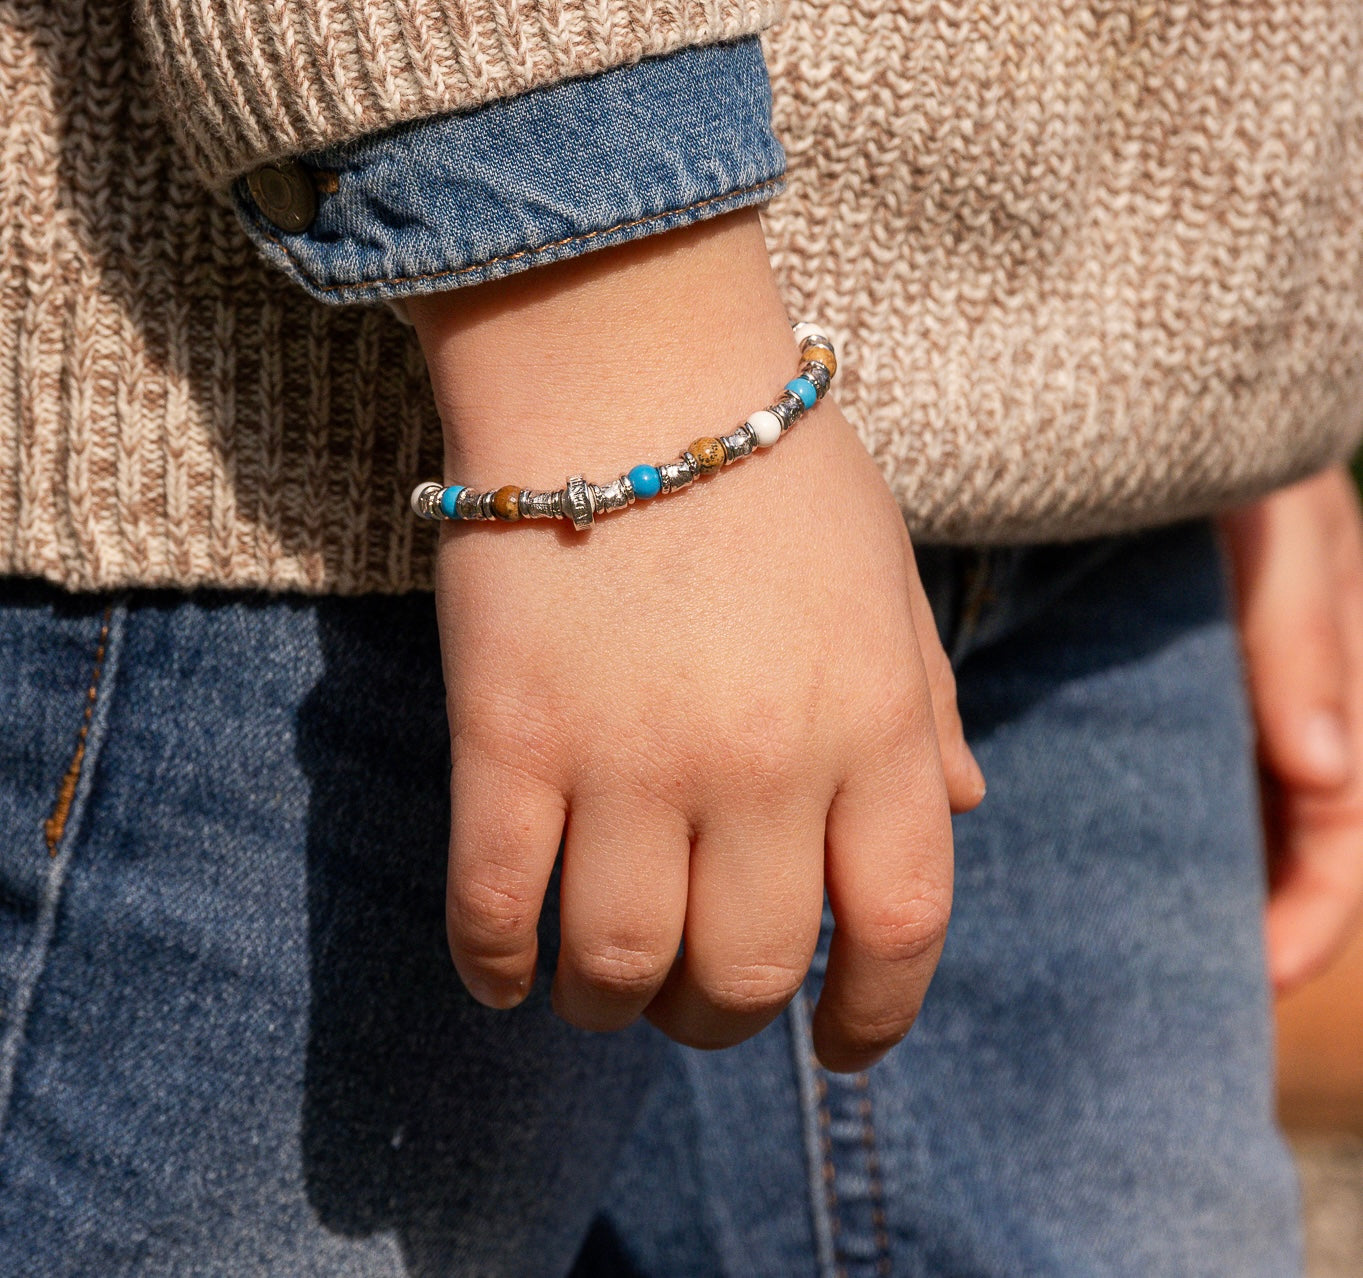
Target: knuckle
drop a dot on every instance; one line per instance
(626, 970)
(907, 931)
(490, 913)
(753, 989)
(899, 720)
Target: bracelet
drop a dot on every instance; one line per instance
(581, 501)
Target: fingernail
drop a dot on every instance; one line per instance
(496, 994)
(1326, 745)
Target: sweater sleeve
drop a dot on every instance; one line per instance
(557, 172)
(248, 82)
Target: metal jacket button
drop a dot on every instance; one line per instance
(284, 193)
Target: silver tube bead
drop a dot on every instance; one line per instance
(739, 443)
(466, 504)
(788, 408)
(538, 505)
(677, 474)
(613, 496)
(818, 374)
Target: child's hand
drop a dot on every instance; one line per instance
(1298, 558)
(733, 695)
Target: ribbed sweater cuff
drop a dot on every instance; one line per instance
(250, 81)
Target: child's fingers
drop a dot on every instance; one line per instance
(889, 880)
(1320, 895)
(1295, 653)
(752, 922)
(622, 904)
(505, 828)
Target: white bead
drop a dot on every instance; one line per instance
(808, 330)
(766, 426)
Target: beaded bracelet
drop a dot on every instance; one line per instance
(581, 501)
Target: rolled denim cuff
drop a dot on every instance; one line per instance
(549, 174)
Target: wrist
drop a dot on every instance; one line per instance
(614, 358)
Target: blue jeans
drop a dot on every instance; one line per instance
(232, 1042)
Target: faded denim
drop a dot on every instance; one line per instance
(232, 1042)
(548, 174)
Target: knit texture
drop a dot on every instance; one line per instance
(1093, 265)
(246, 81)
(1090, 266)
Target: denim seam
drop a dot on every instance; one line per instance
(815, 1117)
(875, 1187)
(579, 238)
(59, 862)
(840, 1102)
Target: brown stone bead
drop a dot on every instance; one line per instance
(506, 503)
(823, 355)
(708, 452)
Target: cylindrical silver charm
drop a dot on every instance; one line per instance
(577, 502)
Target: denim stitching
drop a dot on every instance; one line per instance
(579, 238)
(16, 1020)
(847, 1095)
(829, 1168)
(877, 1189)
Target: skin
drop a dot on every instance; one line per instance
(1297, 557)
(725, 700)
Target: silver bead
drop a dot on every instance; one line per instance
(612, 496)
(466, 504)
(788, 408)
(485, 500)
(739, 444)
(676, 474)
(537, 505)
(818, 375)
(578, 504)
(426, 500)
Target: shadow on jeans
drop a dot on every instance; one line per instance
(479, 1139)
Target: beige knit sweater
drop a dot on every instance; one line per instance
(1091, 265)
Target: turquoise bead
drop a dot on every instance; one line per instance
(805, 390)
(448, 499)
(646, 481)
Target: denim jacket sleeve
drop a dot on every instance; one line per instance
(552, 173)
